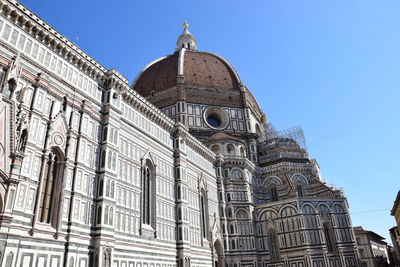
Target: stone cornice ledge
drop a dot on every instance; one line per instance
(182, 131)
(140, 103)
(45, 34)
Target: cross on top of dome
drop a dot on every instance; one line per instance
(186, 39)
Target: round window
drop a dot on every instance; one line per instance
(216, 118)
(215, 148)
(213, 120)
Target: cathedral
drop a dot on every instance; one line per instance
(180, 168)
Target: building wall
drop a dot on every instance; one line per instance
(92, 174)
(104, 134)
(395, 231)
(395, 237)
(371, 250)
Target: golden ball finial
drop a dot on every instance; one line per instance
(185, 25)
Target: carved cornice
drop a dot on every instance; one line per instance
(47, 35)
(195, 144)
(132, 98)
(285, 167)
(45, 83)
(238, 161)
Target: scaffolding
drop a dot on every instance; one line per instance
(295, 133)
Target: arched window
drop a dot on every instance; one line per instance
(111, 134)
(112, 189)
(51, 189)
(123, 196)
(243, 228)
(300, 190)
(106, 258)
(327, 228)
(106, 215)
(272, 181)
(204, 213)
(22, 141)
(99, 215)
(103, 159)
(117, 220)
(242, 215)
(179, 213)
(215, 148)
(115, 137)
(101, 186)
(230, 149)
(179, 192)
(299, 181)
(232, 229)
(109, 161)
(111, 216)
(148, 194)
(329, 237)
(273, 245)
(242, 152)
(105, 134)
(338, 209)
(310, 222)
(342, 223)
(108, 185)
(237, 174)
(274, 193)
(114, 161)
(179, 233)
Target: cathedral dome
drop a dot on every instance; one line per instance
(192, 76)
(199, 69)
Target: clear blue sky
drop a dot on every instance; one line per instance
(332, 67)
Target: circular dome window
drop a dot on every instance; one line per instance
(214, 121)
(216, 118)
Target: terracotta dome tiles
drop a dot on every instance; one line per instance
(199, 69)
(205, 70)
(161, 75)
